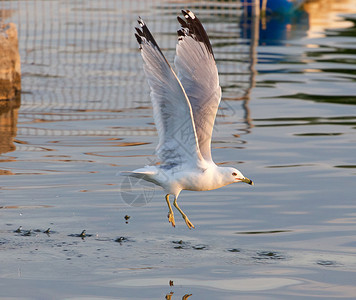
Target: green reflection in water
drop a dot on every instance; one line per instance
(302, 121)
(338, 99)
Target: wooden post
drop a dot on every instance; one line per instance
(10, 66)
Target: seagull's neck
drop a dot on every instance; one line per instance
(219, 175)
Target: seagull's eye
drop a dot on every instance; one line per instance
(234, 174)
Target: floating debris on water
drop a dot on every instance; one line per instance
(178, 242)
(234, 250)
(127, 217)
(27, 233)
(122, 239)
(268, 255)
(187, 245)
(200, 247)
(30, 232)
(181, 244)
(326, 263)
(82, 235)
(18, 230)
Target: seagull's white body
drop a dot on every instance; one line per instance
(184, 110)
(173, 181)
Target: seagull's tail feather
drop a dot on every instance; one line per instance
(148, 173)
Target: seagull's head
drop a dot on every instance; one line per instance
(234, 175)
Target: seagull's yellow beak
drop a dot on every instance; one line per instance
(246, 180)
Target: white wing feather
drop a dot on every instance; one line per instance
(172, 112)
(198, 74)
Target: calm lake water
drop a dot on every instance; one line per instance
(287, 121)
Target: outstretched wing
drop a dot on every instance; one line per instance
(198, 74)
(172, 112)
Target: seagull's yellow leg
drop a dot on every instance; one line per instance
(170, 213)
(189, 224)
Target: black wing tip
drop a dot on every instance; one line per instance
(192, 26)
(140, 21)
(181, 32)
(144, 35)
(139, 32)
(188, 14)
(181, 21)
(138, 38)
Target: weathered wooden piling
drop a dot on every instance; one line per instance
(10, 65)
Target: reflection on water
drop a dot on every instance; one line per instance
(327, 14)
(287, 116)
(170, 295)
(8, 125)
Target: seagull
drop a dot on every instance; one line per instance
(184, 110)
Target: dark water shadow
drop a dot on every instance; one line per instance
(263, 232)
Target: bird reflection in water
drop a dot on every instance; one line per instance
(169, 296)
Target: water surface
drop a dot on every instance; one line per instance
(287, 121)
